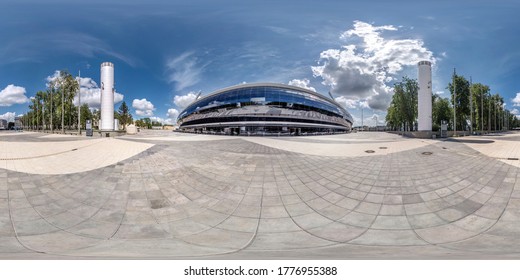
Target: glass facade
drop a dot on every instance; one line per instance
(265, 107)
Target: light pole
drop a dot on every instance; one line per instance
(471, 106)
(62, 111)
(79, 102)
(43, 113)
(362, 127)
(481, 115)
(51, 92)
(454, 104)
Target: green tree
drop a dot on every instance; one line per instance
(462, 100)
(144, 123)
(480, 94)
(86, 114)
(441, 111)
(96, 116)
(402, 112)
(124, 115)
(62, 91)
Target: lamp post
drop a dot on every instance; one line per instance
(454, 104)
(471, 105)
(481, 115)
(79, 102)
(62, 111)
(51, 92)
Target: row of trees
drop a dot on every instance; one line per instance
(476, 108)
(54, 109)
(147, 123)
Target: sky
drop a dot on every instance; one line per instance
(166, 52)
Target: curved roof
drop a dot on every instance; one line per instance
(276, 85)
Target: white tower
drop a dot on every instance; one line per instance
(425, 96)
(107, 96)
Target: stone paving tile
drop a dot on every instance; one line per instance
(337, 232)
(277, 225)
(259, 197)
(358, 219)
(220, 238)
(425, 220)
(391, 222)
(444, 234)
(35, 227)
(287, 240)
(95, 229)
(389, 237)
(241, 224)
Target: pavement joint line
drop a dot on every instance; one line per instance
(53, 154)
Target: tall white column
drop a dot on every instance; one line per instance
(107, 96)
(425, 96)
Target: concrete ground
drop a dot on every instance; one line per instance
(160, 194)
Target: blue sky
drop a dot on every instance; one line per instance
(165, 52)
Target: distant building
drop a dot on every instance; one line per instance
(3, 124)
(18, 123)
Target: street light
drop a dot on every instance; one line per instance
(52, 116)
(79, 102)
(454, 104)
(62, 112)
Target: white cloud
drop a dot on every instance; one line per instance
(163, 121)
(182, 101)
(23, 48)
(346, 102)
(53, 78)
(352, 103)
(173, 113)
(301, 83)
(157, 119)
(91, 94)
(9, 116)
(143, 107)
(185, 71)
(516, 100)
(515, 111)
(172, 116)
(11, 95)
(361, 71)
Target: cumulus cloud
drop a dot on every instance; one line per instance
(157, 119)
(516, 100)
(143, 107)
(301, 83)
(11, 95)
(53, 77)
(185, 70)
(346, 102)
(182, 101)
(515, 111)
(351, 103)
(9, 116)
(91, 94)
(173, 113)
(362, 69)
(163, 121)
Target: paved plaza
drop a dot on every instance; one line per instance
(161, 194)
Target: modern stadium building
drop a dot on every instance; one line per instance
(265, 108)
